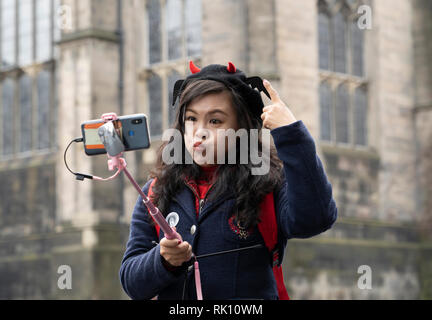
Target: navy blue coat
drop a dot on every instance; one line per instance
(304, 208)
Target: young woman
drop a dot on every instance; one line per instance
(220, 206)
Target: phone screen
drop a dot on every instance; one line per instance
(92, 140)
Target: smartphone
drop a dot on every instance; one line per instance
(132, 130)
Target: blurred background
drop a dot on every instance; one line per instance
(357, 73)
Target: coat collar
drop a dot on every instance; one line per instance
(186, 199)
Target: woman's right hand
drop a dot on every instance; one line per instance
(175, 252)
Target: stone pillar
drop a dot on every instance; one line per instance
(422, 32)
(87, 87)
(393, 75)
(134, 42)
(261, 39)
(297, 50)
(224, 32)
(89, 238)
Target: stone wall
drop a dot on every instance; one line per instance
(374, 188)
(326, 266)
(49, 219)
(422, 31)
(27, 208)
(382, 192)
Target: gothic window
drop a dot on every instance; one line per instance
(174, 29)
(43, 30)
(340, 41)
(25, 104)
(25, 35)
(174, 36)
(357, 49)
(193, 27)
(360, 116)
(178, 23)
(324, 40)
(26, 69)
(343, 88)
(154, 31)
(341, 114)
(325, 111)
(43, 107)
(8, 94)
(8, 33)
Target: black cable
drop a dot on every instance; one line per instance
(211, 255)
(184, 283)
(229, 251)
(79, 176)
(64, 155)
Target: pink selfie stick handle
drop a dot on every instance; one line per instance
(198, 281)
(169, 232)
(154, 211)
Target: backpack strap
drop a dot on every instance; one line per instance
(150, 193)
(269, 231)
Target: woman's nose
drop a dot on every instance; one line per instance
(202, 133)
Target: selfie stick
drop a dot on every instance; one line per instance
(116, 161)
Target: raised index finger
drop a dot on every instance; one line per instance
(274, 95)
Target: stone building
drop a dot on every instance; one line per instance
(356, 72)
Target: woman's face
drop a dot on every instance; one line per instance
(204, 116)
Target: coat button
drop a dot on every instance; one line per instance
(193, 229)
(172, 219)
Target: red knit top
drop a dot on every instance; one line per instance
(202, 185)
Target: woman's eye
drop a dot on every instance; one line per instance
(190, 118)
(215, 121)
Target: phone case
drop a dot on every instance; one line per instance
(133, 131)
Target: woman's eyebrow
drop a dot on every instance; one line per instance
(218, 111)
(191, 110)
(210, 112)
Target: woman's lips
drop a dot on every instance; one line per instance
(198, 146)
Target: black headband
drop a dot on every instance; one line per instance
(232, 78)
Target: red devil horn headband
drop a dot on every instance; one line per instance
(219, 73)
(231, 67)
(193, 67)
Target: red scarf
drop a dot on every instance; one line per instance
(202, 184)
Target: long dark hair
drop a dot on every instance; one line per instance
(249, 189)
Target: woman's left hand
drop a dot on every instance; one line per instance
(277, 114)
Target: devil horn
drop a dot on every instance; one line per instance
(231, 67)
(193, 67)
